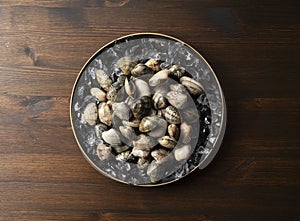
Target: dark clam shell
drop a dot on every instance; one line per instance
(141, 107)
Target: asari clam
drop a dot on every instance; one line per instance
(159, 78)
(90, 113)
(112, 137)
(141, 69)
(159, 100)
(159, 154)
(134, 123)
(122, 110)
(177, 99)
(177, 71)
(153, 64)
(129, 87)
(126, 64)
(143, 163)
(172, 115)
(185, 133)
(128, 132)
(103, 79)
(105, 114)
(194, 87)
(113, 91)
(168, 142)
(156, 126)
(103, 151)
(98, 93)
(183, 153)
(173, 131)
(141, 107)
(142, 146)
(142, 88)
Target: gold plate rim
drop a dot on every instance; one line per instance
(223, 123)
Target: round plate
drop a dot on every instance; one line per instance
(169, 50)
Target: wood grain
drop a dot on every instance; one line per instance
(254, 48)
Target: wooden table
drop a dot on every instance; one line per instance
(254, 48)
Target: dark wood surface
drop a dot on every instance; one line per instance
(254, 48)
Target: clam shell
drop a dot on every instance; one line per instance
(161, 128)
(167, 142)
(126, 64)
(141, 107)
(140, 153)
(194, 87)
(103, 79)
(129, 87)
(105, 114)
(153, 64)
(90, 113)
(134, 123)
(183, 153)
(141, 69)
(128, 132)
(172, 115)
(103, 151)
(156, 126)
(98, 93)
(185, 133)
(177, 99)
(142, 88)
(158, 132)
(112, 137)
(159, 155)
(113, 91)
(173, 131)
(177, 71)
(159, 100)
(143, 163)
(143, 142)
(122, 110)
(159, 78)
(142, 146)
(148, 123)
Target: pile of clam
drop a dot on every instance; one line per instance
(145, 115)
